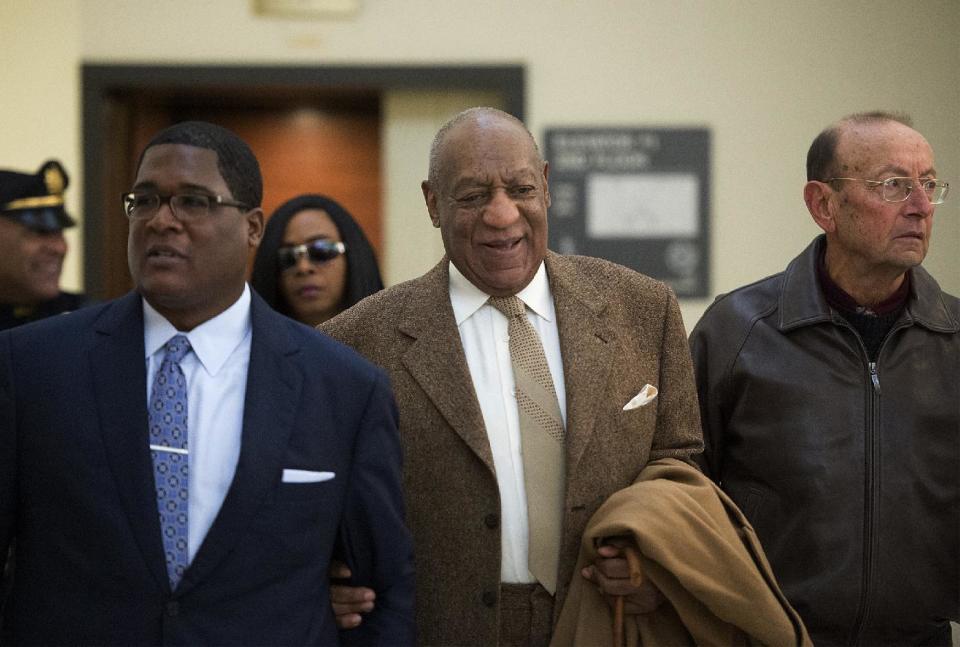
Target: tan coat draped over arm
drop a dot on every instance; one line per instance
(700, 551)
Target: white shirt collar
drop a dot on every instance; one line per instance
(212, 341)
(466, 298)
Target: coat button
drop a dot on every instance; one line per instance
(492, 520)
(489, 598)
(172, 609)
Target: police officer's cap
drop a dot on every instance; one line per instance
(36, 200)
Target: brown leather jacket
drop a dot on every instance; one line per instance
(849, 470)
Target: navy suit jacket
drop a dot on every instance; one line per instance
(77, 492)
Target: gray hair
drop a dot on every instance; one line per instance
(476, 113)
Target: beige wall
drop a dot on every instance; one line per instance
(765, 76)
(40, 103)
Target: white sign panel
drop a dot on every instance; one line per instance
(643, 205)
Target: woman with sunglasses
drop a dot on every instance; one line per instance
(314, 260)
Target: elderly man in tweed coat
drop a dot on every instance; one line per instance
(607, 332)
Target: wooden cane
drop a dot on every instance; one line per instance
(636, 577)
(618, 621)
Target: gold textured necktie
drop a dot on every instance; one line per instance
(541, 438)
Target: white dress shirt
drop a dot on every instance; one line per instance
(216, 373)
(483, 332)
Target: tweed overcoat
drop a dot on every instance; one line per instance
(619, 330)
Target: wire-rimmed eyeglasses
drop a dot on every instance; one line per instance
(316, 251)
(897, 189)
(185, 206)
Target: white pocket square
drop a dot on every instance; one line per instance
(306, 476)
(647, 394)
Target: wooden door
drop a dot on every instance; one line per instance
(320, 144)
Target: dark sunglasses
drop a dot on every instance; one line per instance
(316, 251)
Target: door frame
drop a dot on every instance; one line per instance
(104, 84)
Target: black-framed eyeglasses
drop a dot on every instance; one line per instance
(185, 206)
(897, 189)
(316, 251)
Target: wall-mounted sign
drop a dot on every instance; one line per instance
(636, 196)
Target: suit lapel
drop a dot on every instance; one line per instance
(587, 346)
(119, 378)
(437, 363)
(274, 385)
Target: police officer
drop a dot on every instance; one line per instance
(32, 246)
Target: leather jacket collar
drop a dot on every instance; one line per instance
(802, 302)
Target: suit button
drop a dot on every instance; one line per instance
(172, 609)
(492, 520)
(489, 598)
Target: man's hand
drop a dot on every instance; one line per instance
(348, 602)
(611, 573)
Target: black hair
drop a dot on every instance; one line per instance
(236, 162)
(363, 275)
(823, 151)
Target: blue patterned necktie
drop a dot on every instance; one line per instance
(168, 447)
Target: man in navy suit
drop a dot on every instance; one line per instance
(215, 524)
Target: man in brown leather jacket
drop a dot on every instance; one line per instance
(830, 399)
